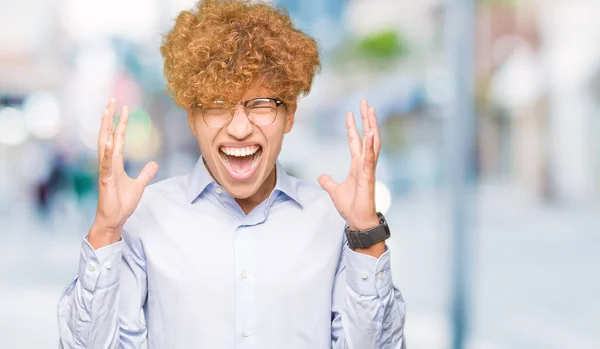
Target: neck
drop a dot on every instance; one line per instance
(249, 203)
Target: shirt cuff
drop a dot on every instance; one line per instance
(367, 275)
(99, 268)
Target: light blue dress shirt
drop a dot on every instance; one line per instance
(206, 275)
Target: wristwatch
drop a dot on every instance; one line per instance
(366, 238)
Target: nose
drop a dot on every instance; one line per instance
(240, 126)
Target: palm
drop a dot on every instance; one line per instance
(354, 198)
(345, 194)
(118, 194)
(118, 197)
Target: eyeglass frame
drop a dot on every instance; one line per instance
(277, 100)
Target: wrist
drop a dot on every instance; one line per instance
(369, 235)
(101, 235)
(364, 224)
(375, 250)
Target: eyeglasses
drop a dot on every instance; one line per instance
(260, 111)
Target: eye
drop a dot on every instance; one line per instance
(261, 103)
(215, 111)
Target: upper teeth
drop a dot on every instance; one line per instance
(245, 151)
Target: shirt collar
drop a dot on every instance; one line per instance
(286, 184)
(199, 179)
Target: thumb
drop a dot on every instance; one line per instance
(328, 184)
(147, 174)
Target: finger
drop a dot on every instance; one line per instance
(103, 135)
(112, 108)
(353, 136)
(119, 136)
(148, 172)
(375, 128)
(370, 159)
(328, 184)
(107, 160)
(364, 107)
(106, 127)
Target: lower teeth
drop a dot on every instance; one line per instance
(254, 160)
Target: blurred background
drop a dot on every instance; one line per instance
(523, 224)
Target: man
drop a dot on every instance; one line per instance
(236, 254)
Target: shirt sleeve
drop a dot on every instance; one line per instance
(368, 311)
(101, 307)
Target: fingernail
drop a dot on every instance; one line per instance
(112, 100)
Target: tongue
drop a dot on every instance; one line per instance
(240, 163)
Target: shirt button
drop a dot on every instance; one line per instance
(385, 325)
(246, 333)
(83, 317)
(364, 275)
(244, 274)
(380, 275)
(108, 265)
(91, 267)
(219, 191)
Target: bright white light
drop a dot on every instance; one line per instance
(42, 114)
(89, 137)
(383, 197)
(13, 130)
(366, 17)
(176, 6)
(518, 83)
(88, 19)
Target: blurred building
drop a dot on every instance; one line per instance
(538, 114)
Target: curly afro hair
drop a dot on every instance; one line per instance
(217, 50)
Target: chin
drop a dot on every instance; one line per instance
(241, 191)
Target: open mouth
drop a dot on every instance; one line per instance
(240, 162)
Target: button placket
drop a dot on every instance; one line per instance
(245, 285)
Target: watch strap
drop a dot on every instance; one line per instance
(367, 238)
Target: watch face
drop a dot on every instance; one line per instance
(383, 223)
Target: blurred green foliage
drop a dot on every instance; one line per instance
(385, 45)
(378, 49)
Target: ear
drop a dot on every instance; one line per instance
(191, 122)
(289, 117)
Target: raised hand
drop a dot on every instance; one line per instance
(355, 197)
(118, 194)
